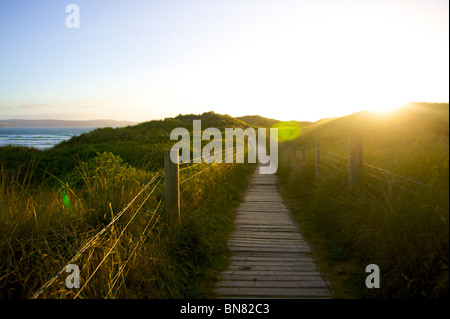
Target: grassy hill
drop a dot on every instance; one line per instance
(415, 119)
(54, 202)
(398, 215)
(411, 137)
(137, 145)
(257, 120)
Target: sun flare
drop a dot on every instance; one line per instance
(384, 108)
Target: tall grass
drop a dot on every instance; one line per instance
(43, 224)
(402, 227)
(53, 203)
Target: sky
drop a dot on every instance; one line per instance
(289, 60)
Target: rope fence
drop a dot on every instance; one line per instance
(93, 239)
(114, 284)
(356, 168)
(210, 165)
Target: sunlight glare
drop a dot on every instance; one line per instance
(385, 107)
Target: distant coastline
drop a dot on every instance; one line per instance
(64, 123)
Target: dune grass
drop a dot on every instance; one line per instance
(400, 225)
(43, 226)
(53, 204)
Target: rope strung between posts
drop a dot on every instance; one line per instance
(342, 160)
(93, 239)
(216, 154)
(211, 165)
(140, 241)
(117, 240)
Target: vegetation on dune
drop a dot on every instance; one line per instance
(139, 145)
(260, 121)
(398, 220)
(54, 202)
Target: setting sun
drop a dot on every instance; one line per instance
(383, 108)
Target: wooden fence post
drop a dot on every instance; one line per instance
(355, 158)
(317, 160)
(172, 185)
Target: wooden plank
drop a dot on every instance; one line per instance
(271, 272)
(276, 218)
(293, 242)
(293, 277)
(274, 284)
(267, 246)
(277, 229)
(263, 213)
(271, 232)
(250, 229)
(272, 255)
(255, 220)
(276, 238)
(269, 249)
(259, 243)
(261, 194)
(256, 241)
(262, 222)
(268, 258)
(261, 190)
(263, 232)
(262, 199)
(280, 235)
(274, 292)
(260, 210)
(266, 229)
(269, 228)
(264, 204)
(268, 235)
(256, 263)
(310, 266)
(258, 207)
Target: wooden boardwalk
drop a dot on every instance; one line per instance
(270, 257)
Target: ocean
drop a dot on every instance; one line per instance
(39, 137)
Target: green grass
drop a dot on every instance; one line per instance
(52, 203)
(403, 229)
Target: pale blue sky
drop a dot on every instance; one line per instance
(148, 59)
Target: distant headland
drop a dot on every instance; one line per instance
(64, 123)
